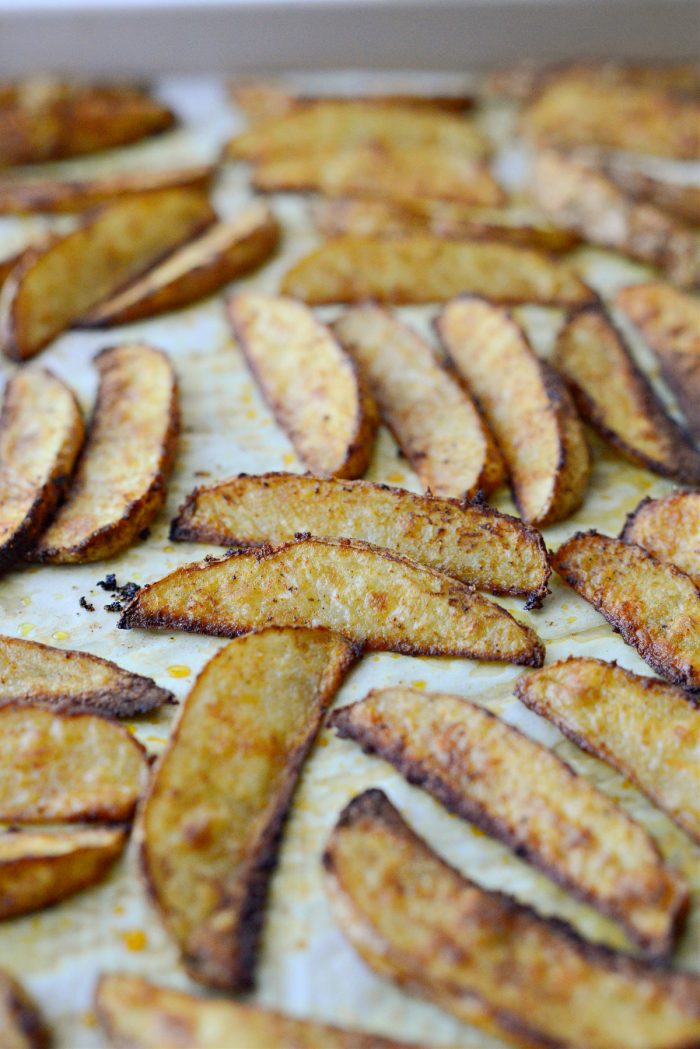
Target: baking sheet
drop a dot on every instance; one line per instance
(305, 966)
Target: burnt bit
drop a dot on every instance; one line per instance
(87, 605)
(124, 592)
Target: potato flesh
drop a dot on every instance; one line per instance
(669, 528)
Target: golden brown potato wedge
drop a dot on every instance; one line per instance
(434, 421)
(473, 543)
(669, 528)
(310, 383)
(424, 268)
(524, 80)
(526, 405)
(216, 807)
(487, 958)
(60, 766)
(262, 100)
(120, 482)
(677, 198)
(21, 1023)
(41, 434)
(652, 604)
(615, 397)
(648, 730)
(56, 284)
(377, 599)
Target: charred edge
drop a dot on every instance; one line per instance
(631, 517)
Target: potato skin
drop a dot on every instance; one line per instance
(20, 1020)
(668, 528)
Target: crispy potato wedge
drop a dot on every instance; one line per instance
(377, 599)
(41, 434)
(74, 681)
(615, 397)
(669, 321)
(214, 814)
(677, 198)
(487, 958)
(473, 543)
(120, 482)
(524, 80)
(652, 604)
(39, 868)
(424, 268)
(647, 730)
(434, 421)
(60, 766)
(309, 382)
(669, 528)
(262, 100)
(21, 1023)
(526, 405)
(56, 284)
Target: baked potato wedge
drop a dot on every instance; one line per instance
(647, 730)
(618, 401)
(471, 542)
(309, 382)
(41, 434)
(526, 405)
(262, 100)
(668, 528)
(524, 80)
(676, 198)
(214, 814)
(652, 604)
(55, 284)
(512, 787)
(434, 421)
(376, 599)
(120, 481)
(59, 766)
(21, 1022)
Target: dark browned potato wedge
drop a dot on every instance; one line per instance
(41, 434)
(515, 789)
(487, 958)
(526, 405)
(669, 528)
(21, 1022)
(39, 868)
(60, 766)
(261, 100)
(56, 284)
(652, 604)
(76, 681)
(214, 814)
(309, 382)
(677, 198)
(648, 730)
(424, 268)
(473, 543)
(120, 481)
(377, 599)
(434, 421)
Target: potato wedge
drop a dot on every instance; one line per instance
(377, 599)
(434, 421)
(120, 482)
(41, 434)
(615, 397)
(652, 604)
(677, 198)
(526, 405)
(59, 766)
(669, 321)
(423, 268)
(262, 100)
(486, 958)
(523, 80)
(214, 814)
(310, 383)
(21, 1022)
(473, 543)
(39, 868)
(647, 730)
(56, 284)
(65, 680)
(668, 528)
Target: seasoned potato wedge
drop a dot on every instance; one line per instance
(648, 730)
(41, 434)
(614, 396)
(377, 599)
(38, 868)
(434, 421)
(310, 383)
(677, 198)
(76, 681)
(21, 1023)
(119, 484)
(523, 80)
(525, 404)
(59, 766)
(214, 814)
(473, 543)
(652, 604)
(56, 284)
(262, 100)
(521, 793)
(424, 268)
(669, 528)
